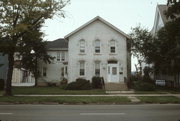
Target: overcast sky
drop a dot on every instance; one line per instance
(124, 14)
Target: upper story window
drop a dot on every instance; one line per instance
(82, 46)
(44, 71)
(112, 46)
(61, 56)
(58, 56)
(97, 46)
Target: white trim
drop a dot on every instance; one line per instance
(91, 21)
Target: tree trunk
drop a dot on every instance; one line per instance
(36, 72)
(7, 88)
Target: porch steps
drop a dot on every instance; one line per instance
(115, 87)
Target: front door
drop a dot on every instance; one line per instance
(113, 73)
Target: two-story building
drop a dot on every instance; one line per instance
(97, 48)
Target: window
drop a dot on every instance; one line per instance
(62, 71)
(112, 46)
(97, 46)
(58, 56)
(66, 70)
(114, 70)
(44, 71)
(82, 68)
(63, 56)
(82, 46)
(97, 68)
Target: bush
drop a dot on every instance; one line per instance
(79, 84)
(1, 84)
(97, 82)
(51, 84)
(63, 83)
(143, 86)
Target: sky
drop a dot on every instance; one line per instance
(124, 14)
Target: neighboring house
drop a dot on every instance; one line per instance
(3, 66)
(58, 69)
(21, 77)
(97, 48)
(160, 18)
(159, 22)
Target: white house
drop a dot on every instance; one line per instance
(97, 48)
(160, 18)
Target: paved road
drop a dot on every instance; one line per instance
(155, 112)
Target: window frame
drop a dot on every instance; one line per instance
(97, 47)
(58, 56)
(82, 68)
(97, 68)
(44, 72)
(113, 47)
(82, 48)
(63, 59)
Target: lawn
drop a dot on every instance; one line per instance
(53, 91)
(159, 99)
(66, 100)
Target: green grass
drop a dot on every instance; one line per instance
(68, 100)
(151, 92)
(159, 99)
(53, 90)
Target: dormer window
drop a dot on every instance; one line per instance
(97, 46)
(82, 46)
(112, 46)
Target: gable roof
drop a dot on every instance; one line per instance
(162, 9)
(91, 21)
(57, 44)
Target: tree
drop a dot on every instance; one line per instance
(173, 9)
(140, 41)
(17, 18)
(168, 47)
(33, 42)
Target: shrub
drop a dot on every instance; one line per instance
(51, 84)
(63, 83)
(143, 86)
(1, 84)
(79, 84)
(97, 82)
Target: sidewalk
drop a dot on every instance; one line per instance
(108, 95)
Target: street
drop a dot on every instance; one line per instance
(145, 112)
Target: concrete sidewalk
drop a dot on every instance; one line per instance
(105, 95)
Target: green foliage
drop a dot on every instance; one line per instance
(173, 8)
(143, 86)
(140, 44)
(79, 84)
(97, 82)
(20, 23)
(66, 99)
(146, 76)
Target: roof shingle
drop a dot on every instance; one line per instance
(59, 44)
